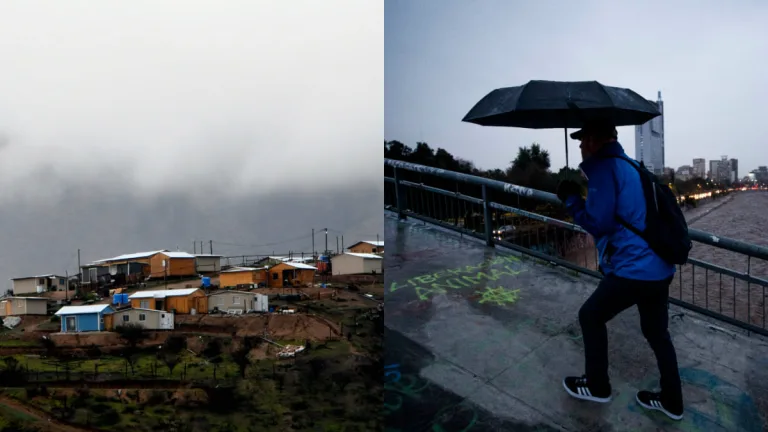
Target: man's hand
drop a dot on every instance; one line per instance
(567, 188)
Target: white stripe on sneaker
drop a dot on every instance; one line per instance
(584, 393)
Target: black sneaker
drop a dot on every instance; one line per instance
(579, 388)
(652, 401)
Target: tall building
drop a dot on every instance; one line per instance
(699, 168)
(722, 170)
(649, 141)
(684, 173)
(714, 169)
(734, 170)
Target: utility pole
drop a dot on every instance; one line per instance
(337, 245)
(326, 254)
(377, 239)
(210, 242)
(79, 269)
(66, 286)
(201, 248)
(313, 243)
(342, 243)
(194, 246)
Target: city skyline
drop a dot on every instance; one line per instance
(441, 60)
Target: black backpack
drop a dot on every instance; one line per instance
(666, 230)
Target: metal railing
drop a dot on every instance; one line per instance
(491, 210)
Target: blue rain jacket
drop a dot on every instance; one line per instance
(614, 187)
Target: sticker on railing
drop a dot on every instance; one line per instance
(519, 190)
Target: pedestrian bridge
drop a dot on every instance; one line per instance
(479, 338)
(481, 314)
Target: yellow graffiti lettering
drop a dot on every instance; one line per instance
(499, 273)
(450, 283)
(476, 279)
(425, 293)
(425, 279)
(440, 282)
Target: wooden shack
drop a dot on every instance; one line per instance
(180, 301)
(288, 274)
(243, 276)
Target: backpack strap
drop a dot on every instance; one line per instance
(620, 219)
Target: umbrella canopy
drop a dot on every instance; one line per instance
(561, 104)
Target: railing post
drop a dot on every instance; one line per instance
(399, 196)
(487, 218)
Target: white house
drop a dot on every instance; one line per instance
(207, 263)
(356, 263)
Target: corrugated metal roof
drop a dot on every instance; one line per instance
(162, 293)
(305, 259)
(178, 254)
(230, 291)
(26, 298)
(208, 255)
(126, 257)
(140, 309)
(364, 255)
(71, 310)
(300, 265)
(242, 269)
(37, 277)
(372, 242)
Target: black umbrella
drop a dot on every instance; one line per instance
(561, 104)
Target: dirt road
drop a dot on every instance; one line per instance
(43, 420)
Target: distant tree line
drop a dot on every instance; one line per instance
(530, 167)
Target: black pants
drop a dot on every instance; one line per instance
(613, 295)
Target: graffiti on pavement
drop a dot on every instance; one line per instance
(404, 391)
(499, 296)
(467, 276)
(720, 405)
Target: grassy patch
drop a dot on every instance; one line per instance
(146, 365)
(325, 389)
(10, 414)
(13, 343)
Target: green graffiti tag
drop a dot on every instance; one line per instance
(405, 389)
(407, 386)
(428, 285)
(499, 296)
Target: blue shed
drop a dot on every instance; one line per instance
(75, 319)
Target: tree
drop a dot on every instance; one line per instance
(171, 361)
(212, 353)
(174, 344)
(241, 355)
(48, 345)
(396, 150)
(531, 168)
(423, 154)
(132, 333)
(171, 350)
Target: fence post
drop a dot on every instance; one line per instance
(487, 218)
(399, 196)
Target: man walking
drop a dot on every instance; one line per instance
(614, 213)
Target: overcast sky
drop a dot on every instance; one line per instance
(709, 59)
(257, 104)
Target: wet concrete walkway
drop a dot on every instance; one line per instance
(479, 339)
